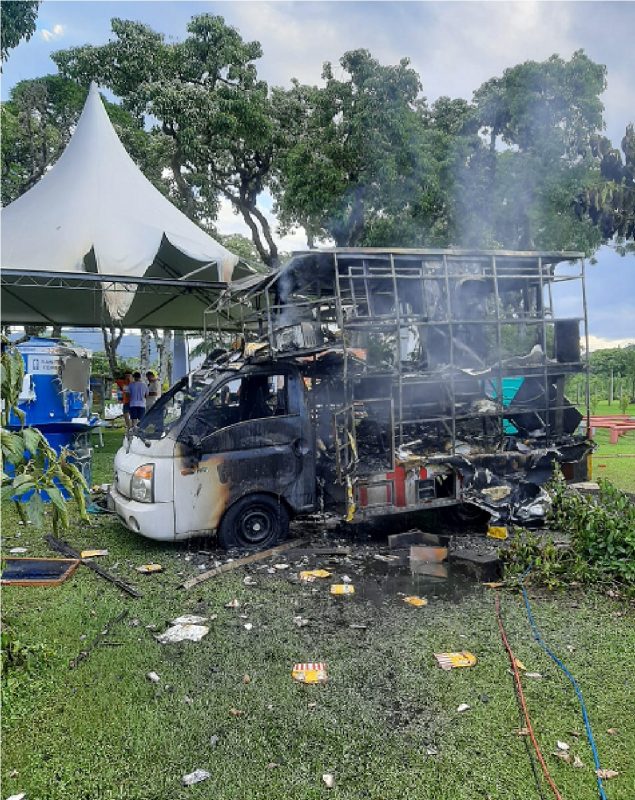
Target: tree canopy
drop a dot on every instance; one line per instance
(362, 159)
(18, 20)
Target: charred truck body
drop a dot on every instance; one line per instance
(367, 382)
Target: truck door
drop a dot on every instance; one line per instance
(253, 436)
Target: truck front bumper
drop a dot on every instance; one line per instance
(152, 520)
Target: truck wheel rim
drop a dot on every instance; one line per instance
(256, 525)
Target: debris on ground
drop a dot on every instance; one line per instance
(37, 571)
(562, 746)
(415, 601)
(16, 551)
(235, 603)
(448, 661)
(153, 677)
(342, 588)
(281, 566)
(463, 707)
(577, 762)
(213, 740)
(236, 712)
(311, 672)
(240, 562)
(20, 796)
(60, 546)
(188, 628)
(93, 553)
(309, 575)
(248, 626)
(300, 621)
(195, 777)
(605, 774)
(431, 555)
(497, 532)
(329, 780)
(246, 679)
(148, 569)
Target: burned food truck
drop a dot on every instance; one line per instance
(367, 382)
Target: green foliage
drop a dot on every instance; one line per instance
(18, 22)
(33, 475)
(602, 529)
(601, 534)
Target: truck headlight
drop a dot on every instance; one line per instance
(142, 484)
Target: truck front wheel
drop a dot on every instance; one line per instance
(255, 522)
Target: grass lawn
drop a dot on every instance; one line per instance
(102, 730)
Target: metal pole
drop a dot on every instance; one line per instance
(586, 343)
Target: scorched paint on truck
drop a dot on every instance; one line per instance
(366, 382)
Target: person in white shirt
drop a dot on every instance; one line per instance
(154, 389)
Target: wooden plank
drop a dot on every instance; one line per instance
(241, 562)
(63, 547)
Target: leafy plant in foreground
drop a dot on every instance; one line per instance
(33, 474)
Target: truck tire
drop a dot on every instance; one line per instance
(254, 522)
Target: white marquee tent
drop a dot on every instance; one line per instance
(114, 248)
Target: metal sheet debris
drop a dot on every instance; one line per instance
(448, 661)
(309, 672)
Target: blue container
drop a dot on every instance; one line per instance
(56, 398)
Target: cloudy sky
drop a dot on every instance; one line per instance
(455, 46)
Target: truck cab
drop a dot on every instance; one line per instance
(228, 450)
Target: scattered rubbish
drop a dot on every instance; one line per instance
(153, 677)
(37, 571)
(248, 626)
(605, 774)
(273, 765)
(387, 559)
(497, 532)
(522, 668)
(231, 565)
(188, 628)
(522, 731)
(235, 603)
(533, 675)
(93, 553)
(485, 566)
(342, 588)
(329, 780)
(147, 569)
(98, 640)
(562, 746)
(236, 712)
(346, 579)
(493, 584)
(611, 731)
(213, 740)
(431, 751)
(249, 581)
(20, 796)
(16, 551)
(448, 661)
(188, 700)
(415, 601)
(246, 679)
(429, 569)
(358, 627)
(281, 566)
(309, 575)
(300, 621)
(195, 777)
(399, 540)
(60, 546)
(431, 555)
(312, 672)
(463, 707)
(578, 763)
(563, 756)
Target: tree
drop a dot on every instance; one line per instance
(355, 166)
(112, 337)
(18, 19)
(520, 187)
(209, 102)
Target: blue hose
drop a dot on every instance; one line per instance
(560, 665)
